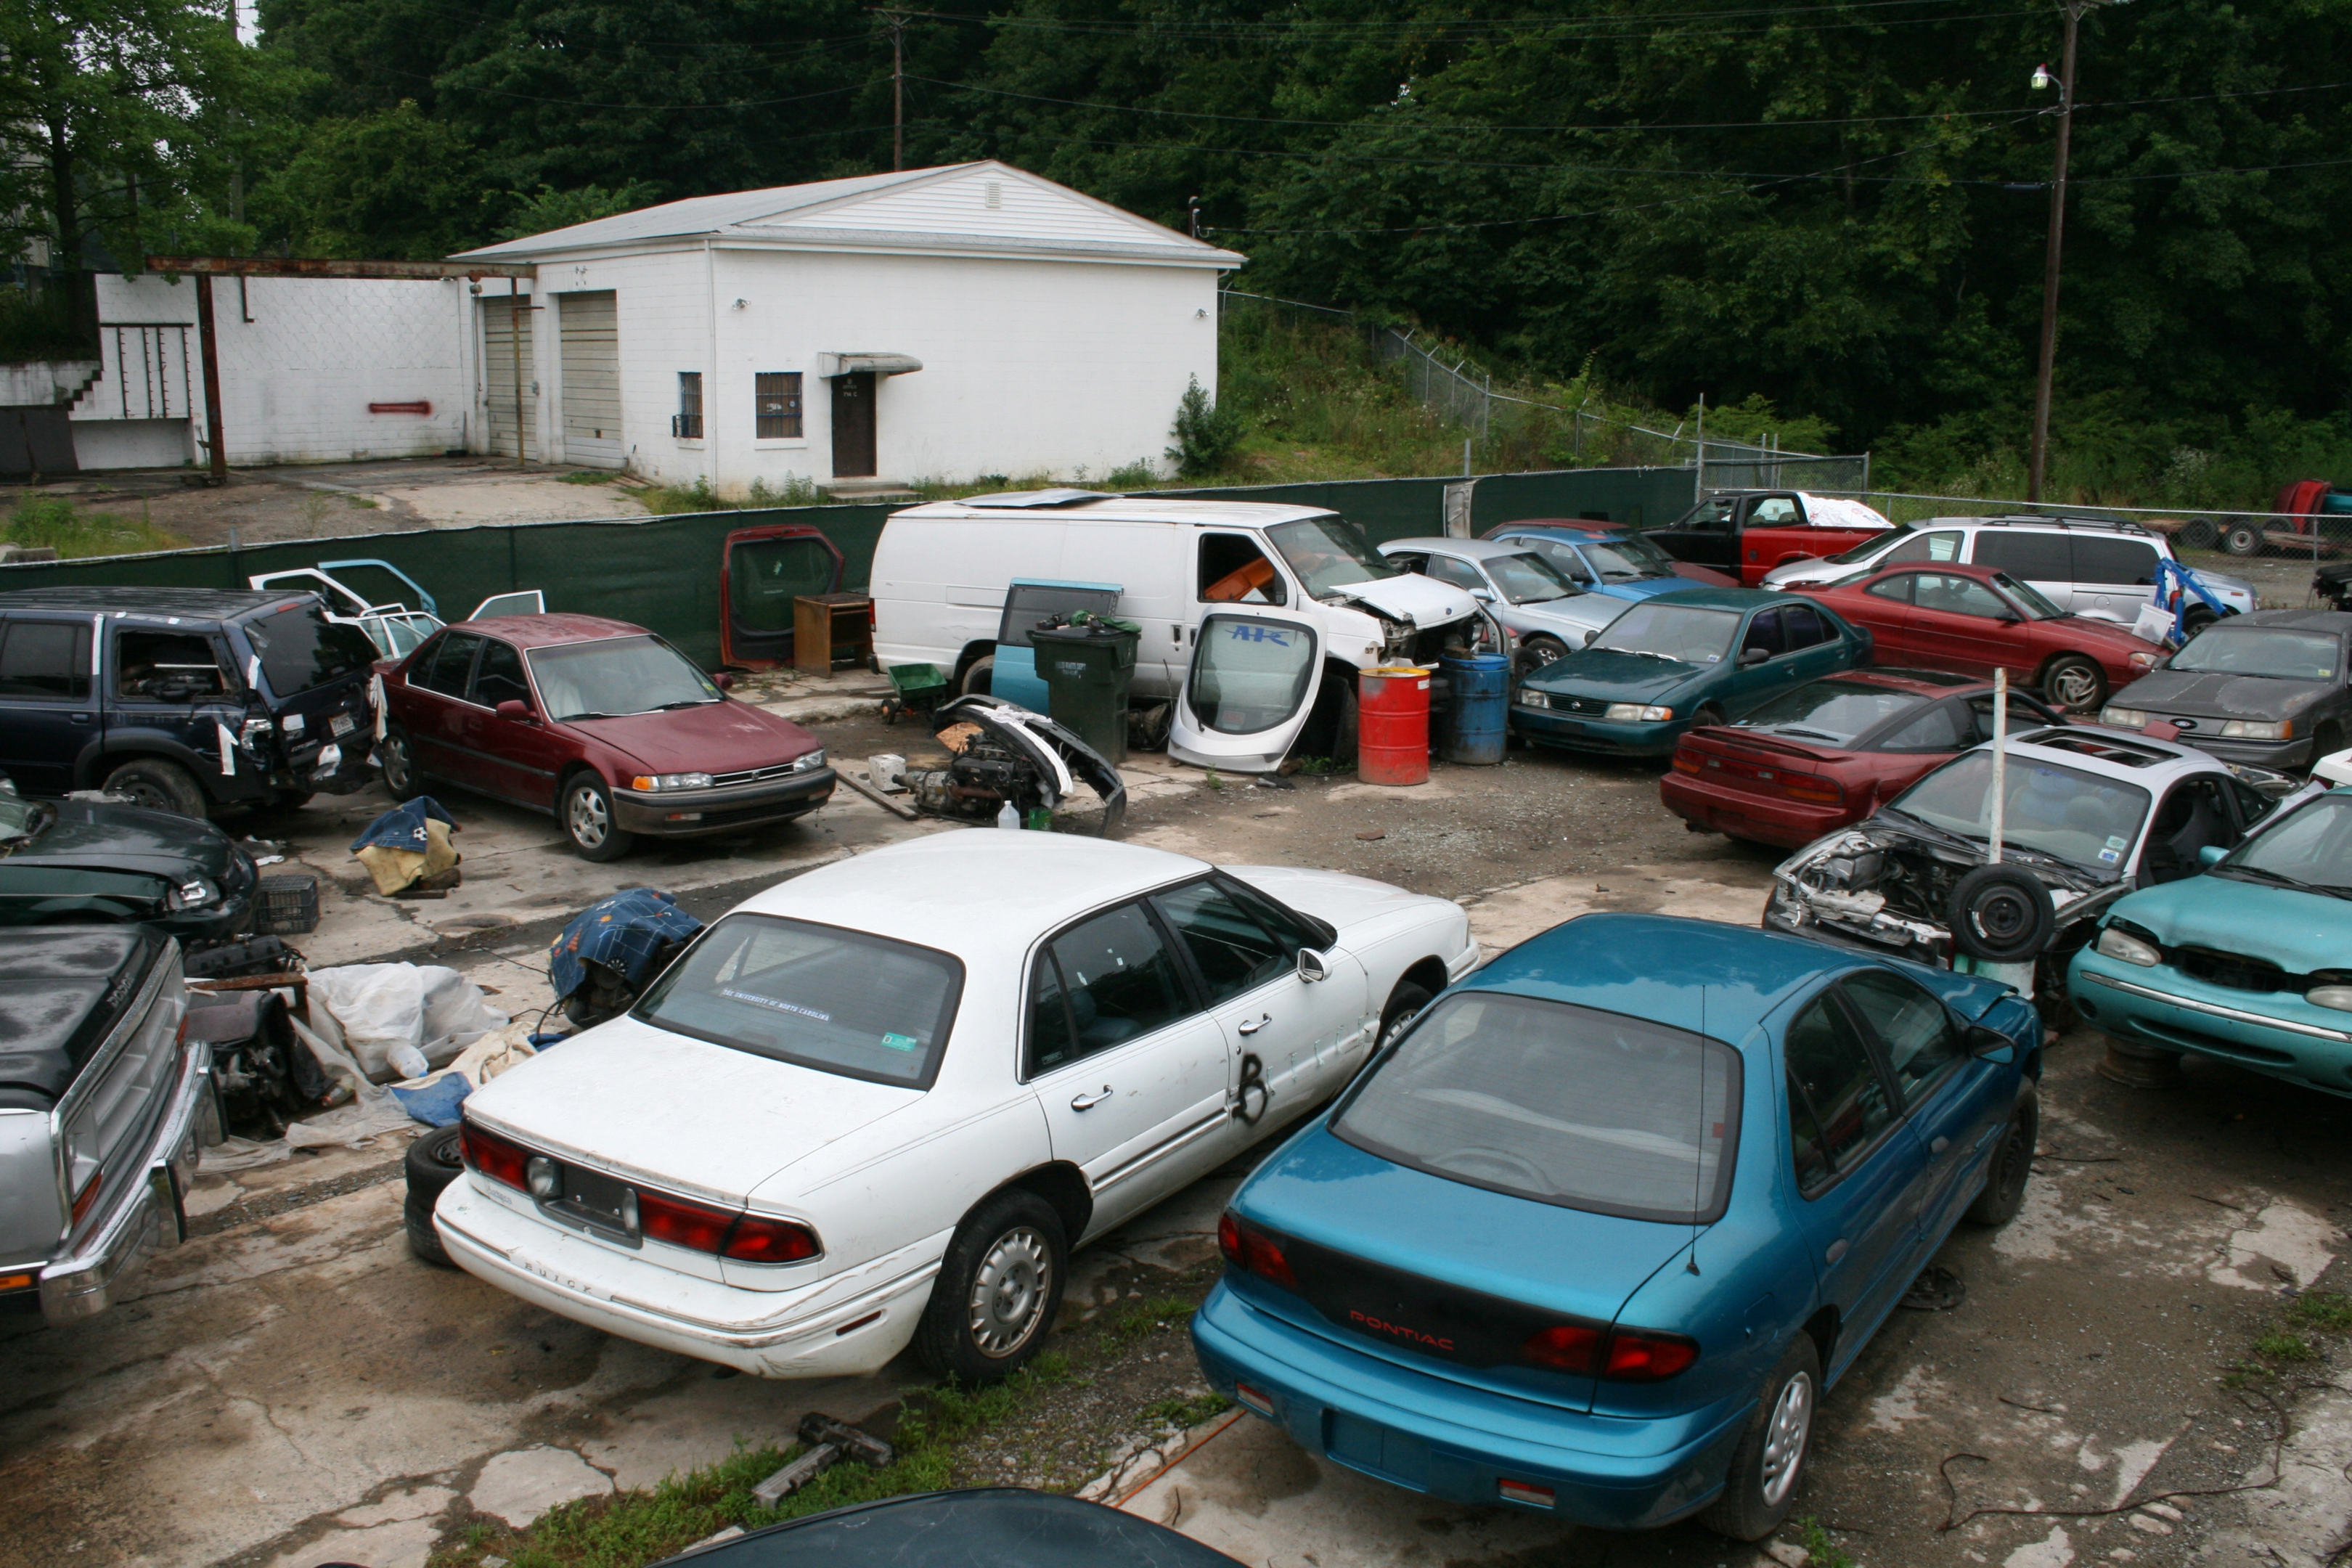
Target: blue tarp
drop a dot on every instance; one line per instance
(436, 1103)
(403, 827)
(626, 933)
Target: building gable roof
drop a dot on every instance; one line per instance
(979, 206)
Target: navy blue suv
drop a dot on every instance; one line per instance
(187, 699)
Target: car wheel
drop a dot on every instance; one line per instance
(976, 679)
(398, 759)
(2012, 1163)
(2002, 915)
(158, 786)
(998, 1291)
(2074, 682)
(1535, 652)
(1708, 713)
(2197, 534)
(433, 1161)
(1769, 1463)
(1405, 1003)
(2242, 539)
(586, 813)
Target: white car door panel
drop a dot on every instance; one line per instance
(1253, 680)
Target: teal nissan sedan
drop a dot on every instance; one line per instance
(2251, 962)
(1703, 656)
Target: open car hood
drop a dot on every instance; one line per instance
(1424, 602)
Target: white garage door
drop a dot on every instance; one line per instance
(592, 380)
(498, 354)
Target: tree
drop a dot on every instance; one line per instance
(1205, 432)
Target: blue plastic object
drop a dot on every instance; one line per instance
(1027, 601)
(403, 827)
(627, 934)
(1479, 708)
(436, 1103)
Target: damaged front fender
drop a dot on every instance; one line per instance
(1026, 758)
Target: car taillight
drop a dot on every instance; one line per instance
(496, 1158)
(698, 1227)
(757, 1239)
(1620, 1355)
(1810, 787)
(1255, 1251)
(1685, 762)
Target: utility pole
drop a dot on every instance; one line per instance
(896, 22)
(2038, 460)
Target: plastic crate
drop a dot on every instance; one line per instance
(287, 906)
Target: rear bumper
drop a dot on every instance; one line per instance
(148, 1217)
(1431, 1434)
(1790, 823)
(682, 814)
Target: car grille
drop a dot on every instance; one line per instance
(2234, 970)
(751, 775)
(1594, 705)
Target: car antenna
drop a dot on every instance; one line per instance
(1698, 1143)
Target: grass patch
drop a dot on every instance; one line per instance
(1138, 1322)
(1190, 1413)
(2328, 1310)
(664, 500)
(365, 503)
(51, 521)
(2279, 1345)
(1825, 1552)
(587, 477)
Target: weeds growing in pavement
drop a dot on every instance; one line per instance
(51, 521)
(2328, 1310)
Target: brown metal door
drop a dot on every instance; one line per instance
(853, 425)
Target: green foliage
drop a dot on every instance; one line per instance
(1205, 432)
(1823, 1552)
(665, 499)
(553, 209)
(396, 184)
(40, 327)
(51, 521)
(2279, 1345)
(1179, 1411)
(1139, 475)
(587, 477)
(2330, 1310)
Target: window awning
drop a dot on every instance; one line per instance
(831, 366)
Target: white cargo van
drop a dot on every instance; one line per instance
(1256, 617)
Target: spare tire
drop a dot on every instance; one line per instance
(433, 1161)
(2002, 915)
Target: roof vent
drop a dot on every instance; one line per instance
(1028, 498)
(993, 194)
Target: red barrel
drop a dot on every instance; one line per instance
(1393, 726)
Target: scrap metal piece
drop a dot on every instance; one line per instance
(1005, 751)
(828, 1440)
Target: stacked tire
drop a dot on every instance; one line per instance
(433, 1161)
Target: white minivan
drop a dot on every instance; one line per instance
(1255, 616)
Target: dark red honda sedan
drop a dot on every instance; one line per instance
(1825, 755)
(600, 722)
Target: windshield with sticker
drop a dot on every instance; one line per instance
(841, 1001)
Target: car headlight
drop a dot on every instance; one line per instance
(670, 781)
(191, 894)
(2258, 730)
(2125, 948)
(2124, 718)
(2337, 996)
(1637, 714)
(810, 762)
(1530, 698)
(2146, 658)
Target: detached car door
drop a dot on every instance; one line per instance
(1253, 681)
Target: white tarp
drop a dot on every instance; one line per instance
(375, 1008)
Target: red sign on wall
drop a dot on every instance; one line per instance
(417, 407)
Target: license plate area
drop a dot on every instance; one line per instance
(342, 724)
(593, 1201)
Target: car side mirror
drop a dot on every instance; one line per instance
(516, 709)
(1311, 966)
(1484, 595)
(1751, 657)
(1989, 1043)
(2212, 855)
(724, 681)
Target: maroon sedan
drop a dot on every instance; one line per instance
(1823, 756)
(598, 721)
(1977, 619)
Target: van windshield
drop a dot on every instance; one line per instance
(1328, 553)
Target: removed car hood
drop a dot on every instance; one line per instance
(676, 1112)
(1422, 601)
(708, 737)
(2220, 696)
(92, 834)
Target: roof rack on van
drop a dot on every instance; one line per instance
(2113, 524)
(1028, 498)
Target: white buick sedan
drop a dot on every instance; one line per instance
(880, 1103)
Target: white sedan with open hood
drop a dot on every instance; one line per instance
(879, 1104)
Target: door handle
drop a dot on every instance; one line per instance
(1088, 1101)
(81, 717)
(1263, 1020)
(1939, 1145)
(1836, 1251)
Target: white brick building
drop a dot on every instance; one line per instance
(940, 323)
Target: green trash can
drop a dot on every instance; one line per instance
(1087, 670)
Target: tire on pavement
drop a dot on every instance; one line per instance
(999, 1289)
(159, 784)
(398, 756)
(2075, 683)
(432, 1162)
(1769, 1466)
(585, 810)
(2012, 1162)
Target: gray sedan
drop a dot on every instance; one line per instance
(2267, 688)
(1544, 613)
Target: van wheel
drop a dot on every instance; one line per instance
(976, 679)
(586, 813)
(998, 1291)
(1769, 1463)
(158, 786)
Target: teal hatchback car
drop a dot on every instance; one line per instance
(2251, 962)
(1705, 656)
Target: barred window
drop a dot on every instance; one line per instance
(778, 404)
(687, 422)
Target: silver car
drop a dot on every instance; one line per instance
(1544, 614)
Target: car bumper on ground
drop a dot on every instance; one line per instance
(1434, 1435)
(847, 1324)
(2277, 1033)
(683, 813)
(1744, 814)
(151, 1215)
(1550, 728)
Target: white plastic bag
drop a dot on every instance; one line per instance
(380, 1006)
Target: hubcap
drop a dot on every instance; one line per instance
(1398, 1024)
(1009, 1292)
(395, 765)
(2076, 687)
(142, 792)
(587, 819)
(1999, 916)
(1784, 1439)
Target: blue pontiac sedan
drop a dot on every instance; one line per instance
(1593, 1237)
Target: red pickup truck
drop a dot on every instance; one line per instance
(1751, 532)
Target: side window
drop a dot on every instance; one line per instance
(1118, 983)
(166, 666)
(1915, 1028)
(1898, 588)
(2254, 806)
(1960, 597)
(1803, 627)
(1944, 545)
(1774, 511)
(2034, 556)
(1052, 1040)
(1764, 633)
(1937, 728)
(2122, 562)
(2191, 817)
(1234, 571)
(1415, 563)
(1287, 927)
(2025, 713)
(1837, 1102)
(45, 658)
(452, 661)
(500, 678)
(1231, 951)
(1564, 557)
(1460, 574)
(1716, 517)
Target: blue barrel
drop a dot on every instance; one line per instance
(1479, 687)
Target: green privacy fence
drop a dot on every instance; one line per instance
(664, 572)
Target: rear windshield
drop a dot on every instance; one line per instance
(1562, 1104)
(301, 649)
(815, 995)
(1832, 711)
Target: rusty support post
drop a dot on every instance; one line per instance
(209, 348)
